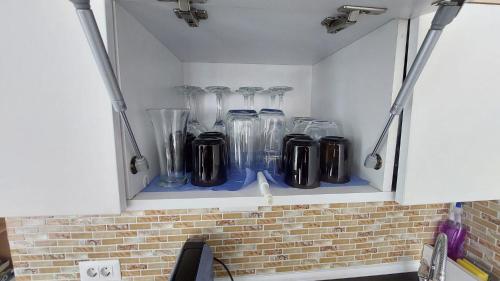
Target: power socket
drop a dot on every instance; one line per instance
(107, 270)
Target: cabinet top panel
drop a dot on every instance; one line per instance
(263, 31)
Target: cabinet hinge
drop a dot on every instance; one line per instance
(191, 15)
(348, 16)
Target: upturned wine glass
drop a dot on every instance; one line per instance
(280, 92)
(219, 91)
(192, 93)
(248, 94)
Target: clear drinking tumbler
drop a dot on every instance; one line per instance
(242, 127)
(272, 131)
(170, 127)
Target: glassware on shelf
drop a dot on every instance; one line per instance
(272, 98)
(219, 91)
(334, 159)
(192, 93)
(280, 92)
(242, 129)
(248, 94)
(299, 124)
(322, 128)
(170, 126)
(272, 131)
(209, 161)
(302, 163)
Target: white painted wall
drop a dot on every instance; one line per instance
(355, 87)
(148, 71)
(57, 142)
(297, 102)
(452, 132)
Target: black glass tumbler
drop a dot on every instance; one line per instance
(302, 163)
(212, 135)
(188, 152)
(220, 135)
(286, 138)
(334, 159)
(209, 162)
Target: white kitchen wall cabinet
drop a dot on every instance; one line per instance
(65, 152)
(57, 134)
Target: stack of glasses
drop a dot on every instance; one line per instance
(246, 141)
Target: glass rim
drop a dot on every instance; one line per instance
(167, 109)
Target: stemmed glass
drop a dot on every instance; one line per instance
(219, 125)
(280, 92)
(248, 95)
(192, 92)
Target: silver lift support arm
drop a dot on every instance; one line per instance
(89, 25)
(447, 11)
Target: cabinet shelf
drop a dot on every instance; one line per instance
(251, 197)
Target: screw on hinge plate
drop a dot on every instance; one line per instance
(348, 16)
(188, 13)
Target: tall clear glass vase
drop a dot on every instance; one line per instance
(170, 126)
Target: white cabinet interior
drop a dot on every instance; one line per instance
(354, 86)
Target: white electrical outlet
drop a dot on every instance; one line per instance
(108, 270)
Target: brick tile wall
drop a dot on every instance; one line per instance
(483, 243)
(273, 239)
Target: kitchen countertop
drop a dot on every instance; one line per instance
(410, 276)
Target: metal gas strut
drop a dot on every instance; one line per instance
(89, 25)
(447, 11)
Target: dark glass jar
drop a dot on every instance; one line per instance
(334, 160)
(212, 135)
(220, 135)
(188, 152)
(302, 163)
(209, 162)
(286, 138)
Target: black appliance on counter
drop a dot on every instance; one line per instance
(195, 262)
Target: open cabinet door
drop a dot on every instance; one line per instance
(451, 128)
(57, 127)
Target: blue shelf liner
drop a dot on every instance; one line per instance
(279, 182)
(234, 183)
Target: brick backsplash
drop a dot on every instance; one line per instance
(483, 242)
(272, 239)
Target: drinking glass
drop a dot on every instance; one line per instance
(248, 95)
(272, 97)
(272, 131)
(299, 124)
(209, 161)
(192, 93)
(219, 91)
(280, 92)
(321, 128)
(302, 163)
(170, 127)
(242, 128)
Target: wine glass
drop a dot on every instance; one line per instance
(272, 97)
(248, 95)
(219, 125)
(280, 92)
(192, 92)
